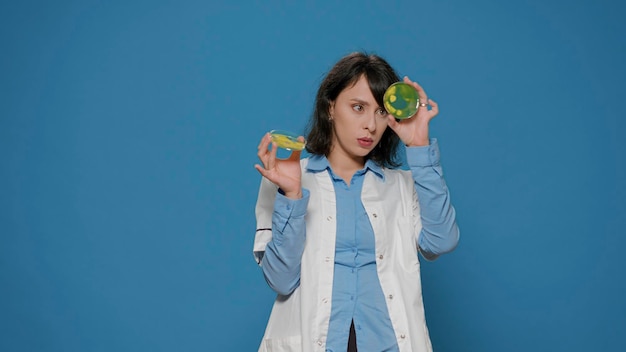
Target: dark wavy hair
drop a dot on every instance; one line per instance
(346, 72)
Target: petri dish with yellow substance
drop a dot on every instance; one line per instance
(401, 100)
(287, 140)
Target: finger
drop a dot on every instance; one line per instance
(434, 107)
(295, 154)
(423, 104)
(271, 162)
(391, 122)
(262, 148)
(262, 155)
(420, 91)
(264, 141)
(260, 169)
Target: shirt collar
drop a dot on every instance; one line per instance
(319, 163)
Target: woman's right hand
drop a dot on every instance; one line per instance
(285, 173)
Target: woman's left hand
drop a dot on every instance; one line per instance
(414, 131)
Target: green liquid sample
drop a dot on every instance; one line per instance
(401, 100)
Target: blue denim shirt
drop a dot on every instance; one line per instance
(357, 294)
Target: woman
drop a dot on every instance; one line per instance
(338, 233)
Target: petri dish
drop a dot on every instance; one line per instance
(286, 140)
(401, 100)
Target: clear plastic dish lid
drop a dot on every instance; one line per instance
(286, 140)
(401, 100)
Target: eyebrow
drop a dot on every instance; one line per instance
(360, 101)
(363, 102)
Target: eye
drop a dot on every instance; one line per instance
(358, 107)
(381, 112)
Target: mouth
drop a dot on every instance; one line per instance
(365, 142)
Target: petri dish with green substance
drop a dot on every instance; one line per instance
(401, 100)
(287, 140)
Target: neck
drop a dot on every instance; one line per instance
(345, 166)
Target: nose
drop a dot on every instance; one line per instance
(370, 124)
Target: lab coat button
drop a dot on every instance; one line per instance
(375, 215)
(325, 300)
(329, 218)
(380, 257)
(319, 342)
(327, 259)
(390, 296)
(402, 336)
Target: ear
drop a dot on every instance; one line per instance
(331, 110)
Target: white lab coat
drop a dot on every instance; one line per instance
(299, 322)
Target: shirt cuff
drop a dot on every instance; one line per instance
(291, 208)
(423, 156)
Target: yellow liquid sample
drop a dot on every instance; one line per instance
(286, 140)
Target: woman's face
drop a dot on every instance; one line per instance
(358, 122)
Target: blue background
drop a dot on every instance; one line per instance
(128, 134)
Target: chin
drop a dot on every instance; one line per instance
(362, 153)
